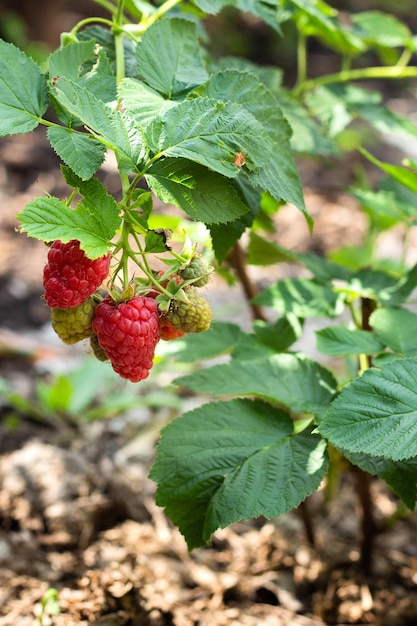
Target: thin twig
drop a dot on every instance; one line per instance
(238, 262)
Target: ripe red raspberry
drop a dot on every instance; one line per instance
(70, 276)
(74, 324)
(192, 317)
(167, 331)
(128, 333)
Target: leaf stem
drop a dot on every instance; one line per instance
(405, 58)
(120, 56)
(345, 76)
(301, 59)
(160, 12)
(237, 261)
(91, 20)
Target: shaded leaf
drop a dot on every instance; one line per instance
(220, 339)
(293, 381)
(396, 328)
(204, 195)
(401, 476)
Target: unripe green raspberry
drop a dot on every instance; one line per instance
(74, 324)
(197, 269)
(192, 317)
(97, 349)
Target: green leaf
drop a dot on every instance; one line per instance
(317, 18)
(337, 105)
(380, 29)
(405, 176)
(396, 328)
(175, 67)
(270, 76)
(293, 381)
(110, 127)
(401, 476)
(23, 91)
(93, 222)
(386, 121)
(244, 88)
(323, 269)
(251, 348)
(261, 251)
(105, 38)
(223, 239)
(376, 414)
(142, 103)
(203, 194)
(220, 339)
(81, 152)
(71, 62)
(264, 252)
(384, 208)
(281, 178)
(307, 136)
(340, 341)
(383, 287)
(266, 10)
(233, 460)
(303, 297)
(281, 334)
(280, 175)
(211, 133)
(155, 242)
(56, 396)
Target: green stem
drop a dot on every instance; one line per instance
(145, 267)
(357, 74)
(118, 43)
(301, 59)
(346, 63)
(405, 58)
(91, 20)
(71, 197)
(160, 12)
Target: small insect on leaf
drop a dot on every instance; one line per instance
(239, 159)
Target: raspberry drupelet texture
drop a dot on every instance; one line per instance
(193, 316)
(74, 324)
(128, 333)
(70, 277)
(167, 331)
(198, 271)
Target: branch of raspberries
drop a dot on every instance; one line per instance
(124, 325)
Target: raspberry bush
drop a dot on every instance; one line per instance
(220, 139)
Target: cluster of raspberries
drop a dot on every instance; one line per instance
(125, 332)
